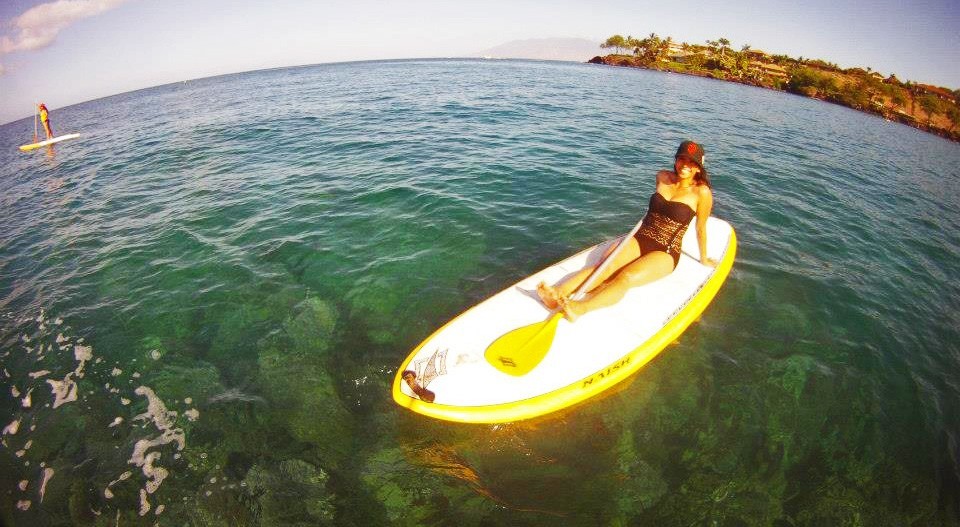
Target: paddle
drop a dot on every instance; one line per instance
(36, 117)
(520, 350)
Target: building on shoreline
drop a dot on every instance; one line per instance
(772, 70)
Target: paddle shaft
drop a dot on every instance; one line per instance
(36, 129)
(598, 271)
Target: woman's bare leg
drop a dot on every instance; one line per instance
(648, 268)
(552, 295)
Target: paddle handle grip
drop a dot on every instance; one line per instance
(598, 271)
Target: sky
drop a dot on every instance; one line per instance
(69, 51)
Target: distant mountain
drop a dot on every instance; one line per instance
(571, 49)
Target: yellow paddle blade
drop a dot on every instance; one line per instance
(520, 350)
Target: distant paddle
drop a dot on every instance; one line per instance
(519, 351)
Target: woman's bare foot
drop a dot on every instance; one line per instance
(548, 295)
(571, 311)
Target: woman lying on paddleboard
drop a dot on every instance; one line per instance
(654, 251)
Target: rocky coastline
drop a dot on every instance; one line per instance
(903, 107)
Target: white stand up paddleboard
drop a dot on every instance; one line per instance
(50, 141)
(451, 376)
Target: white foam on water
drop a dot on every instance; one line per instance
(156, 410)
(164, 421)
(155, 475)
(64, 391)
(47, 474)
(12, 428)
(146, 453)
(109, 493)
(82, 354)
(144, 504)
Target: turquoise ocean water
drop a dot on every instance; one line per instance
(204, 299)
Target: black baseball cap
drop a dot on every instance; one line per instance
(691, 151)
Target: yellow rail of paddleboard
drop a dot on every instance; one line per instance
(587, 387)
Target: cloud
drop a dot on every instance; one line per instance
(39, 26)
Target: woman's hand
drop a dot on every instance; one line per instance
(709, 262)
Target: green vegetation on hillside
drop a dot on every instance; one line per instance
(931, 108)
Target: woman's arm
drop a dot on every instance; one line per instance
(704, 207)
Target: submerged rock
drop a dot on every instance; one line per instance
(186, 379)
(311, 331)
(376, 305)
(291, 492)
(302, 392)
(304, 400)
(237, 331)
(438, 485)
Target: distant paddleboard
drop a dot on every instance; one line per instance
(453, 376)
(51, 141)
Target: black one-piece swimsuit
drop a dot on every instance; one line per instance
(664, 226)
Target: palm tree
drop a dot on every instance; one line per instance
(724, 45)
(713, 45)
(664, 51)
(616, 42)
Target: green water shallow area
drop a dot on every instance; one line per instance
(203, 329)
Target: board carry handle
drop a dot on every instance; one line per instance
(424, 394)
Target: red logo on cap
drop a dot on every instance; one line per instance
(692, 148)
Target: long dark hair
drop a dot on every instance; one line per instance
(702, 178)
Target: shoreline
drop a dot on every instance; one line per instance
(892, 116)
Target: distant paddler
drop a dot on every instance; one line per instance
(43, 115)
(45, 119)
